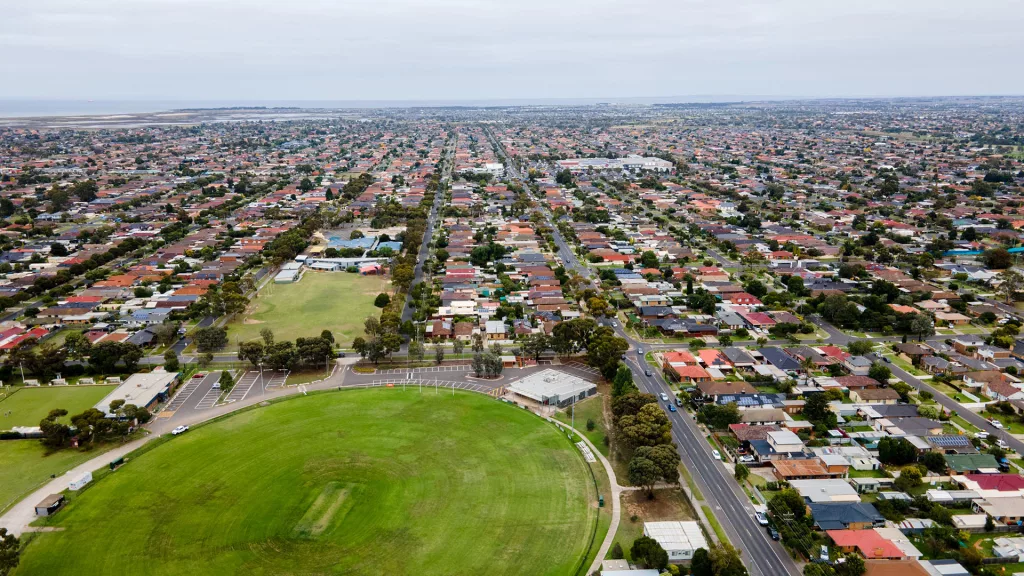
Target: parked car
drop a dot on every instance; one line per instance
(773, 532)
(996, 423)
(679, 402)
(199, 375)
(1002, 444)
(179, 430)
(216, 385)
(716, 454)
(761, 518)
(648, 373)
(664, 397)
(672, 408)
(746, 458)
(886, 360)
(981, 435)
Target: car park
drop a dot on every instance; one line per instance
(716, 454)
(179, 430)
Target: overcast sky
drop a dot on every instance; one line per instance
(244, 50)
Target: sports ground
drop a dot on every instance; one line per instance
(27, 406)
(335, 301)
(356, 482)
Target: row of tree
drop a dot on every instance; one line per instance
(92, 425)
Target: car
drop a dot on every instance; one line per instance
(981, 435)
(664, 397)
(672, 408)
(761, 518)
(996, 424)
(716, 454)
(886, 360)
(773, 532)
(179, 430)
(648, 373)
(639, 351)
(341, 354)
(216, 385)
(199, 375)
(746, 458)
(679, 402)
(1002, 444)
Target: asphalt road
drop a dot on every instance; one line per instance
(952, 405)
(428, 233)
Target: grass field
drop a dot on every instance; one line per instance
(24, 466)
(336, 301)
(589, 409)
(668, 504)
(355, 482)
(27, 406)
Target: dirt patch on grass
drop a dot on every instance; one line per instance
(326, 506)
(668, 504)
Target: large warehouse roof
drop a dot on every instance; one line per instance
(139, 389)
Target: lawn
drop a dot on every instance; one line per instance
(27, 406)
(589, 409)
(25, 466)
(336, 301)
(354, 482)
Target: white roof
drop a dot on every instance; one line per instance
(139, 389)
(828, 490)
(676, 535)
(550, 384)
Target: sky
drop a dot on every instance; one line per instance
(478, 50)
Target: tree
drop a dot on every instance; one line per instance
(910, 478)
(105, 356)
(643, 473)
(725, 561)
(647, 551)
(210, 338)
(922, 326)
(934, 462)
(171, 363)
(997, 258)
(859, 347)
(629, 404)
(77, 345)
(382, 300)
(226, 381)
(756, 288)
(649, 427)
(536, 344)
(252, 352)
(360, 346)
(1010, 283)
(852, 565)
(989, 524)
(326, 335)
(10, 548)
(700, 564)
(55, 434)
(665, 458)
(741, 472)
(85, 190)
(458, 346)
(816, 407)
(896, 451)
(622, 382)
(438, 353)
(787, 503)
(880, 372)
(416, 350)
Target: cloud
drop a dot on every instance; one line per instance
(478, 49)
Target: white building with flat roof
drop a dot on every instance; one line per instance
(553, 388)
(679, 539)
(143, 390)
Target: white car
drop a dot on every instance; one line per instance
(761, 518)
(716, 454)
(664, 397)
(746, 459)
(1002, 444)
(179, 430)
(996, 424)
(981, 435)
